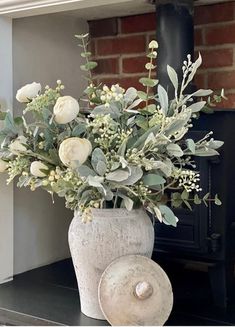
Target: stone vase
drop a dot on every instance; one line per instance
(94, 245)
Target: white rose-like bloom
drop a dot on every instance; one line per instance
(35, 169)
(66, 109)
(28, 92)
(3, 166)
(18, 146)
(74, 151)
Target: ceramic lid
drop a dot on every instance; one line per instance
(134, 290)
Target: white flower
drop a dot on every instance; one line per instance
(18, 146)
(74, 151)
(28, 92)
(3, 166)
(66, 109)
(36, 169)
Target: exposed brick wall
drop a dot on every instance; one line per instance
(119, 46)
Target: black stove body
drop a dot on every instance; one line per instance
(207, 234)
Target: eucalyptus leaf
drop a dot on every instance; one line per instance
(151, 138)
(95, 181)
(9, 123)
(163, 99)
(158, 213)
(133, 105)
(142, 122)
(86, 54)
(168, 216)
(197, 106)
(85, 171)
(153, 179)
(98, 158)
(118, 175)
(184, 195)
(201, 93)
(2, 115)
(206, 152)
(164, 166)
(53, 153)
(191, 145)
(188, 205)
(142, 95)
(135, 174)
(122, 149)
(78, 130)
(197, 200)
(195, 67)
(173, 77)
(214, 144)
(112, 110)
(148, 81)
(128, 202)
(142, 138)
(130, 95)
(217, 200)
(176, 200)
(174, 150)
(101, 168)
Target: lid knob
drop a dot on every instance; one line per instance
(143, 290)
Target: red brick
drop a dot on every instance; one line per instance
(229, 104)
(152, 37)
(198, 36)
(217, 58)
(138, 23)
(121, 45)
(220, 34)
(214, 13)
(134, 64)
(107, 66)
(200, 81)
(103, 27)
(219, 80)
(92, 47)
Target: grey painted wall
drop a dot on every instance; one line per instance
(6, 192)
(44, 50)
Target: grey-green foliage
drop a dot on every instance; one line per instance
(139, 152)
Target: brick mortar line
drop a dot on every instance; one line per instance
(138, 54)
(215, 47)
(229, 91)
(215, 24)
(111, 56)
(123, 35)
(120, 75)
(225, 69)
(233, 56)
(120, 65)
(119, 25)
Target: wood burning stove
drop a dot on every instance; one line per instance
(205, 234)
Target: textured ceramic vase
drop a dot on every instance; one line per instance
(94, 245)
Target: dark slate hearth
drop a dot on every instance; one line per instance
(48, 296)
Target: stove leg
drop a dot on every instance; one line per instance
(222, 282)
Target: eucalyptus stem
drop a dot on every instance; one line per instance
(115, 200)
(87, 61)
(149, 76)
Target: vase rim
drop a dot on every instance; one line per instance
(110, 210)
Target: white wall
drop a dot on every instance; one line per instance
(6, 193)
(44, 50)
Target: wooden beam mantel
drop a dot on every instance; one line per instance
(92, 8)
(21, 8)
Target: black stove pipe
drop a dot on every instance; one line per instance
(175, 36)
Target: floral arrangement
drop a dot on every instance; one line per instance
(129, 149)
